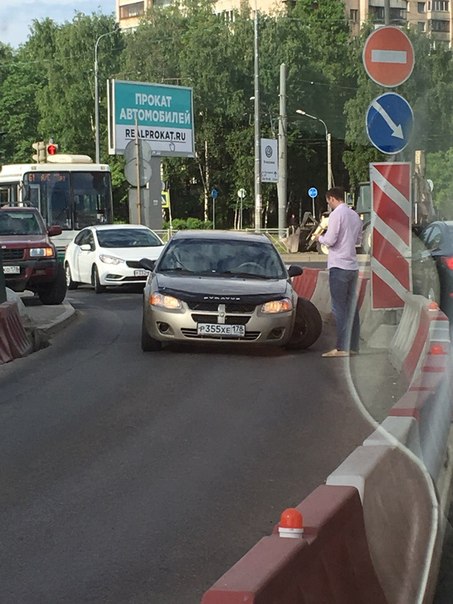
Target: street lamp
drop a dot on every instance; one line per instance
(329, 146)
(96, 94)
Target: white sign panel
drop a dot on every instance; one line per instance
(269, 160)
(158, 114)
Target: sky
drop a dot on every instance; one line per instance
(16, 16)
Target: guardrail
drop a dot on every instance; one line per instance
(273, 234)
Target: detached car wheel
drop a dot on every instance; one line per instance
(55, 292)
(149, 344)
(307, 327)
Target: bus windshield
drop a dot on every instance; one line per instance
(72, 200)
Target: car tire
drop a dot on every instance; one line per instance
(55, 292)
(366, 240)
(98, 288)
(149, 344)
(307, 326)
(70, 284)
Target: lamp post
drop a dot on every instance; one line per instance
(330, 181)
(96, 94)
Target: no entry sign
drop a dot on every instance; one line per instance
(388, 56)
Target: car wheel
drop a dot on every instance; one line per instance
(149, 344)
(366, 239)
(70, 284)
(98, 288)
(55, 292)
(322, 248)
(307, 326)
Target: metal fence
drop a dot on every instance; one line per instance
(281, 243)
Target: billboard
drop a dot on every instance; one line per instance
(156, 113)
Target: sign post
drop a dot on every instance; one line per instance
(214, 195)
(313, 193)
(241, 194)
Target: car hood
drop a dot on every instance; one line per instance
(22, 240)
(221, 288)
(133, 253)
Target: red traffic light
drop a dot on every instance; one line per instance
(52, 149)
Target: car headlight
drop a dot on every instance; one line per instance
(110, 259)
(41, 252)
(164, 301)
(276, 306)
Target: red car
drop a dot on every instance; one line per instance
(29, 257)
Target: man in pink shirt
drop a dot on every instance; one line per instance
(343, 234)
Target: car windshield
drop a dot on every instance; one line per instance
(127, 238)
(19, 223)
(224, 258)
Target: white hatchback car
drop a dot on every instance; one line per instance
(109, 254)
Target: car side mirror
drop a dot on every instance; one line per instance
(294, 270)
(86, 247)
(54, 230)
(147, 264)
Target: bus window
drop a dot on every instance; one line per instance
(92, 193)
(8, 195)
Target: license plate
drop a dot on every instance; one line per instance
(140, 272)
(216, 329)
(11, 270)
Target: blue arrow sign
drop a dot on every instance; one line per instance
(313, 192)
(389, 123)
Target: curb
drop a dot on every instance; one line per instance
(53, 326)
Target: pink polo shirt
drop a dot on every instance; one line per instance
(343, 234)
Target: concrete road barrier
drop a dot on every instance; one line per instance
(404, 490)
(400, 516)
(14, 342)
(329, 564)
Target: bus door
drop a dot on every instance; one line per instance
(34, 198)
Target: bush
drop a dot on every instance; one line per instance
(179, 224)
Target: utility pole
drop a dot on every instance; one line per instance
(386, 12)
(258, 201)
(282, 155)
(96, 95)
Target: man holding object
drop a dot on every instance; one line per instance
(343, 234)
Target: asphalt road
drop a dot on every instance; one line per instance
(130, 477)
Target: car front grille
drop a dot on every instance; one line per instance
(14, 254)
(230, 307)
(229, 320)
(134, 279)
(249, 336)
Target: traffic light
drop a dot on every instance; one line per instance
(52, 148)
(40, 155)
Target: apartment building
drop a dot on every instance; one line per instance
(433, 17)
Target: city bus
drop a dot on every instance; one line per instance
(69, 190)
